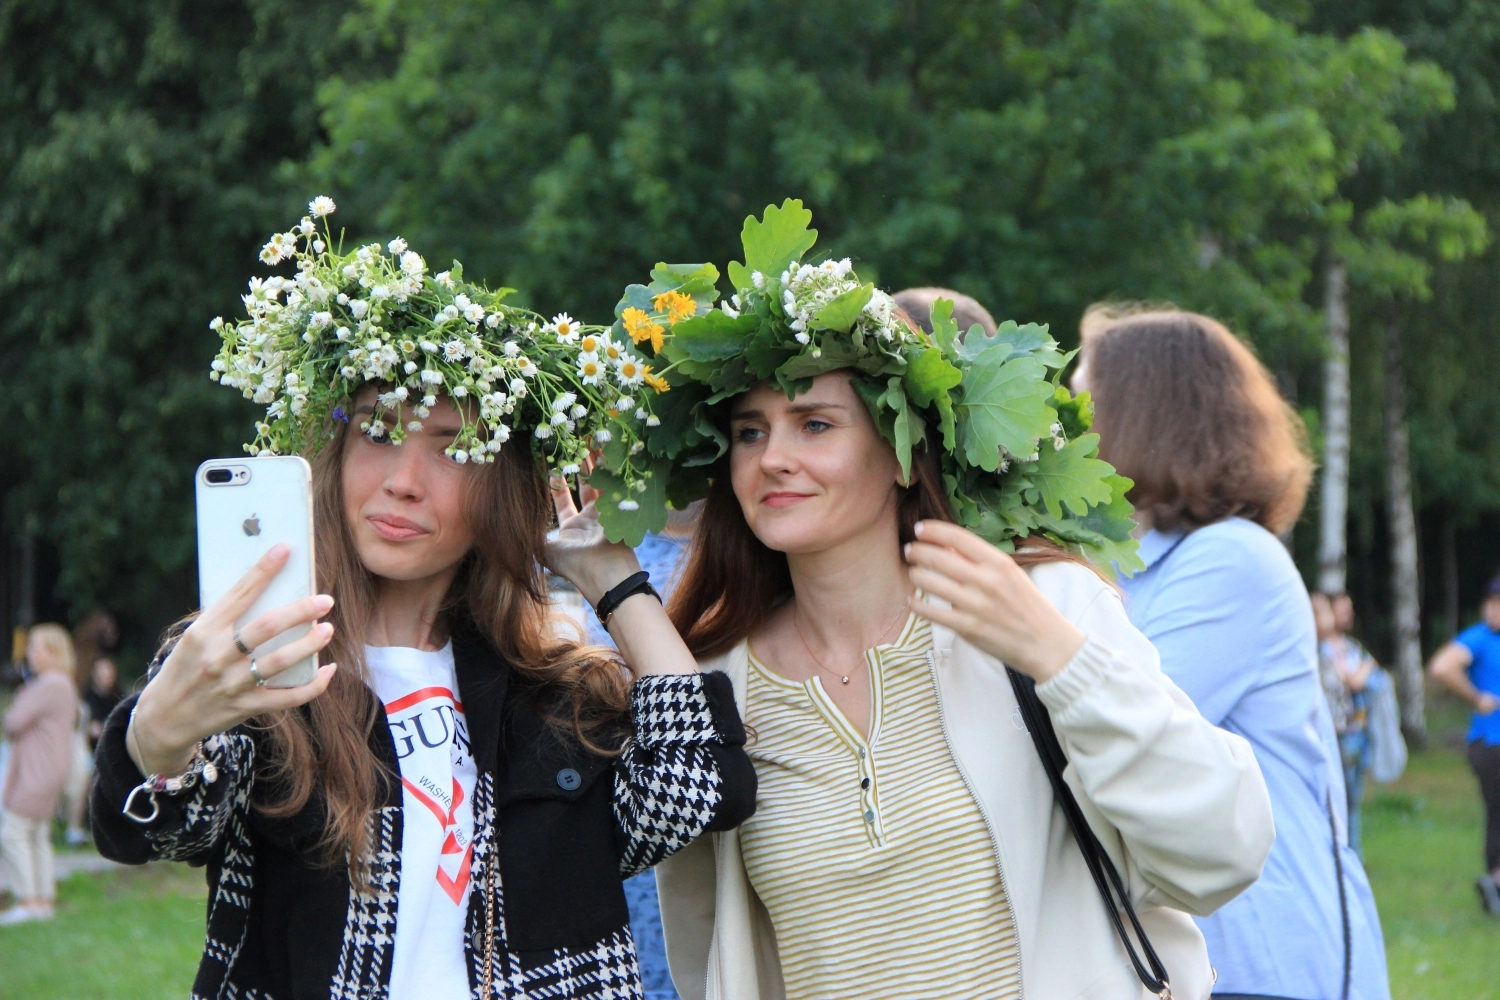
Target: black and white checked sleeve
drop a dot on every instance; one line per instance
(190, 825)
(684, 772)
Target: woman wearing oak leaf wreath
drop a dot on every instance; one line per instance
(906, 842)
(339, 862)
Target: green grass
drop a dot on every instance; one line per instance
(1423, 838)
(134, 934)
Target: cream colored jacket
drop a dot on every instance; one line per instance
(1179, 804)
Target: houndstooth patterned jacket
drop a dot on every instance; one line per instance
(557, 828)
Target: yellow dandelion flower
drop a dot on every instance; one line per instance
(654, 381)
(641, 328)
(676, 305)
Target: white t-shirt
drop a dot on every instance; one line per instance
(420, 693)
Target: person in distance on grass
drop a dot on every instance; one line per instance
(39, 725)
(1219, 466)
(1469, 666)
(449, 811)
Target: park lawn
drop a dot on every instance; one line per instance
(1423, 852)
(137, 933)
(132, 934)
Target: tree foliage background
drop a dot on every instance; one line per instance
(1037, 156)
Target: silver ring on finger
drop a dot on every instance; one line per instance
(240, 644)
(260, 681)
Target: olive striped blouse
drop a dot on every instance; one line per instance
(872, 857)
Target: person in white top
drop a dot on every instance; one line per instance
(813, 548)
(449, 811)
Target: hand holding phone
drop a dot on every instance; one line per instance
(205, 686)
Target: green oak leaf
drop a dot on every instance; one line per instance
(1070, 478)
(765, 352)
(688, 483)
(779, 238)
(944, 329)
(1003, 405)
(1031, 340)
(676, 410)
(836, 355)
(1074, 412)
(928, 378)
(842, 311)
(631, 526)
(698, 280)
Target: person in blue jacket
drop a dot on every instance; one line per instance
(1220, 467)
(1469, 666)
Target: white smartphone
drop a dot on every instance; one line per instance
(245, 506)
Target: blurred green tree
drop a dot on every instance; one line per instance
(139, 149)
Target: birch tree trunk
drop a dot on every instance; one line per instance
(1332, 540)
(1407, 617)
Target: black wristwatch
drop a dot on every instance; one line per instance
(635, 583)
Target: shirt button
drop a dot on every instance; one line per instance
(861, 751)
(568, 779)
(864, 782)
(869, 815)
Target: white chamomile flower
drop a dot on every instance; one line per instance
(453, 350)
(501, 434)
(624, 403)
(219, 365)
(518, 387)
(528, 368)
(343, 333)
(428, 346)
(803, 338)
(412, 263)
(359, 308)
(396, 246)
(603, 436)
(319, 246)
(571, 469)
(473, 312)
(757, 279)
(492, 321)
(579, 411)
(564, 401)
(342, 299)
(512, 349)
(216, 324)
(729, 310)
(589, 370)
(430, 399)
(432, 377)
(414, 426)
(307, 227)
(460, 391)
(558, 419)
(422, 411)
(653, 421)
(321, 205)
(628, 373)
(628, 505)
(640, 413)
(543, 431)
(565, 326)
(460, 456)
(444, 278)
(402, 392)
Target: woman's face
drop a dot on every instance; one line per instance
(39, 655)
(812, 472)
(404, 504)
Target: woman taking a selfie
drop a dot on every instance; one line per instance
(448, 812)
(1219, 473)
(907, 842)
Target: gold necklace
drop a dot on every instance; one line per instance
(843, 678)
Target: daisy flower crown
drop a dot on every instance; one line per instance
(1013, 444)
(578, 395)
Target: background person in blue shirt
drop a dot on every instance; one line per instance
(1469, 666)
(1220, 468)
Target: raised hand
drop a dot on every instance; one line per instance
(994, 604)
(205, 686)
(578, 552)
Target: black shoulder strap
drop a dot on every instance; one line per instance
(1152, 973)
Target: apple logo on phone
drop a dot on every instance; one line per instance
(251, 525)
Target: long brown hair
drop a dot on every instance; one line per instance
(733, 581)
(1188, 412)
(323, 748)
